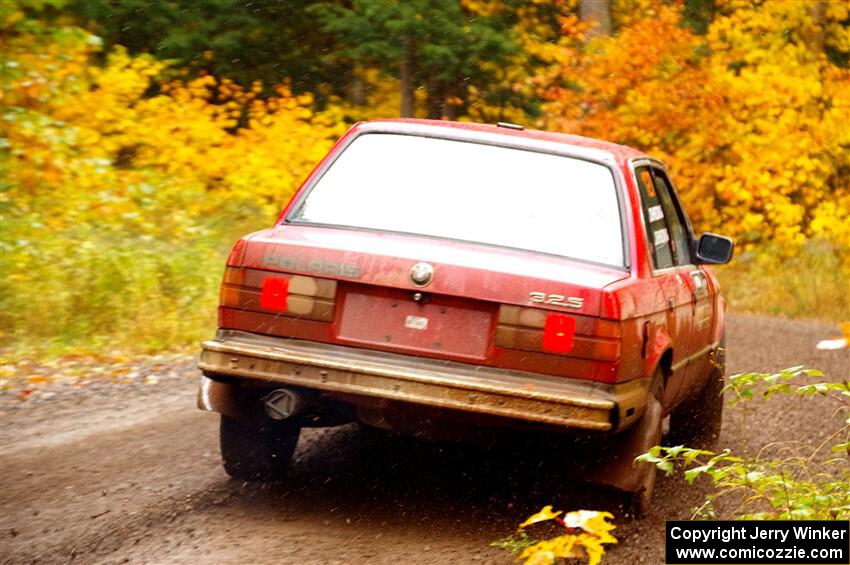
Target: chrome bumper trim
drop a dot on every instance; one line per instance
(359, 372)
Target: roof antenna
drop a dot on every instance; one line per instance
(509, 125)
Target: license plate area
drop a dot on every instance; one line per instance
(392, 320)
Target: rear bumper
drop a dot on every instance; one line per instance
(356, 372)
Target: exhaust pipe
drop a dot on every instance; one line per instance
(282, 404)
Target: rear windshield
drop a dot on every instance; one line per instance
(473, 192)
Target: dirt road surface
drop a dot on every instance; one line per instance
(111, 473)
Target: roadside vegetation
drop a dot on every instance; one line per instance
(784, 480)
(134, 151)
(811, 283)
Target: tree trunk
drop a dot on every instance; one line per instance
(453, 109)
(457, 101)
(355, 91)
(817, 35)
(598, 11)
(435, 100)
(408, 85)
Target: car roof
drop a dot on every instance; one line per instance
(620, 153)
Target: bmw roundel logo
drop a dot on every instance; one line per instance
(421, 274)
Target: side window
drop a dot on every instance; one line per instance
(679, 238)
(654, 219)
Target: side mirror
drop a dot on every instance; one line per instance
(714, 249)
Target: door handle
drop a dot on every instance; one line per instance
(700, 284)
(671, 304)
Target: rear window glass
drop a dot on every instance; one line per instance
(473, 192)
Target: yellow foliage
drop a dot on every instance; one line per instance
(79, 125)
(588, 532)
(751, 118)
(545, 514)
(123, 188)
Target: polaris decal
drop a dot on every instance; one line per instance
(315, 266)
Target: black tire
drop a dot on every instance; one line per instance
(639, 504)
(638, 501)
(257, 454)
(697, 423)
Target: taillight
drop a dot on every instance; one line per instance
(230, 296)
(274, 294)
(558, 333)
(234, 276)
(536, 329)
(278, 293)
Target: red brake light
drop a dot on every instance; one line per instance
(558, 333)
(275, 293)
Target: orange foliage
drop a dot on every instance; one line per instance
(750, 118)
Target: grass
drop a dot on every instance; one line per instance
(94, 290)
(814, 284)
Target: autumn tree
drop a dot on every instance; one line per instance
(117, 176)
(750, 118)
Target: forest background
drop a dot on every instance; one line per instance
(141, 138)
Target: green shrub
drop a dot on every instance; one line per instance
(805, 484)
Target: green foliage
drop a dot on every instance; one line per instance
(516, 543)
(744, 384)
(450, 43)
(263, 40)
(449, 48)
(790, 485)
(697, 14)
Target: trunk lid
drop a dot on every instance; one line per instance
(461, 269)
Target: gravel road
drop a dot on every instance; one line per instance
(99, 471)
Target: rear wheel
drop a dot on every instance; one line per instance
(618, 469)
(640, 500)
(262, 453)
(697, 423)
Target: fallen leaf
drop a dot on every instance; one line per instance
(832, 344)
(545, 514)
(39, 379)
(592, 522)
